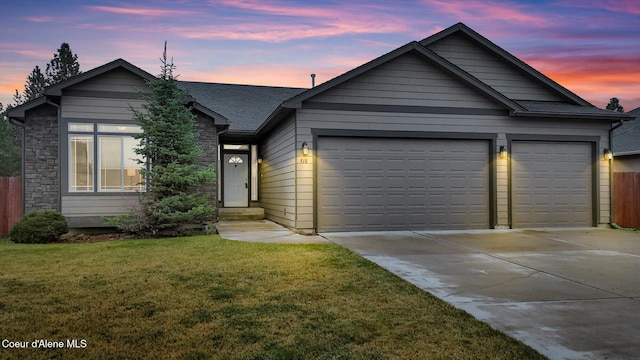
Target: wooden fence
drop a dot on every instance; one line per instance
(10, 203)
(626, 199)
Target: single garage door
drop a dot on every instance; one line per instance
(402, 184)
(551, 184)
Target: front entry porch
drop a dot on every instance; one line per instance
(240, 213)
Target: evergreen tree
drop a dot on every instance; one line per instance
(614, 104)
(63, 65)
(168, 143)
(34, 88)
(9, 147)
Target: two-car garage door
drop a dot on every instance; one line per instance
(401, 184)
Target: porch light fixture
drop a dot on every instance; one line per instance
(608, 155)
(503, 152)
(305, 149)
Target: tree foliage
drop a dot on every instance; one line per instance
(9, 147)
(63, 66)
(168, 143)
(614, 104)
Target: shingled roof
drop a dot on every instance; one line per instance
(626, 138)
(245, 106)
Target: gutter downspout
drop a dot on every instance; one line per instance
(59, 172)
(611, 198)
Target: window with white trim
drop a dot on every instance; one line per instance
(111, 148)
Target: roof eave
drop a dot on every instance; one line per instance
(564, 115)
(18, 113)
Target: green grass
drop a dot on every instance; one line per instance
(204, 298)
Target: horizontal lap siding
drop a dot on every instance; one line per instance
(100, 103)
(371, 121)
(97, 205)
(492, 70)
(407, 80)
(277, 175)
(117, 80)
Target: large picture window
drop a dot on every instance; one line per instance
(117, 166)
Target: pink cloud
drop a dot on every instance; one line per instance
(39, 19)
(485, 11)
(279, 32)
(622, 6)
(141, 11)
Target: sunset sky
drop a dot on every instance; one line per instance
(591, 47)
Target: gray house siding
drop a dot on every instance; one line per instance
(490, 69)
(406, 80)
(106, 98)
(309, 121)
(278, 175)
(41, 181)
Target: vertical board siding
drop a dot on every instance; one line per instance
(626, 198)
(10, 203)
(492, 70)
(277, 175)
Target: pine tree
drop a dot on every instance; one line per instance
(168, 142)
(34, 87)
(9, 147)
(63, 65)
(614, 104)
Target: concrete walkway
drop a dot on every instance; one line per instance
(264, 231)
(570, 294)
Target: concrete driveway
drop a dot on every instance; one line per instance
(570, 294)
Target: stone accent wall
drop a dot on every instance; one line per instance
(41, 165)
(208, 140)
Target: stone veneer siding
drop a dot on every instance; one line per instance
(41, 165)
(208, 141)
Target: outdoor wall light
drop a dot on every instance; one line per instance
(503, 152)
(305, 149)
(608, 155)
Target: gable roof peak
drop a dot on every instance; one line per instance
(56, 90)
(469, 33)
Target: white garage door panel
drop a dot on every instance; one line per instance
(387, 184)
(551, 184)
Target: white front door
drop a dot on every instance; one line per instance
(236, 180)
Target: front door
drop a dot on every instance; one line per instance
(236, 180)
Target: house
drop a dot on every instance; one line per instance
(450, 132)
(626, 172)
(626, 144)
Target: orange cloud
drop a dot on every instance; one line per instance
(141, 11)
(596, 78)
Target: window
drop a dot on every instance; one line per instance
(113, 146)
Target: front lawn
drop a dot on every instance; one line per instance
(205, 298)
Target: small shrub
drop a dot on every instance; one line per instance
(39, 227)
